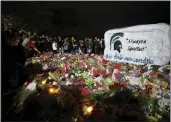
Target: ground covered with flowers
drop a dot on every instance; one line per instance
(90, 88)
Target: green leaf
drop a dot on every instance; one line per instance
(152, 118)
(89, 83)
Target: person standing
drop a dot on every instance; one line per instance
(60, 44)
(82, 46)
(54, 46)
(13, 65)
(49, 44)
(70, 45)
(12, 70)
(40, 43)
(29, 46)
(85, 42)
(102, 46)
(74, 45)
(66, 46)
(96, 45)
(89, 46)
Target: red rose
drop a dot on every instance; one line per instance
(104, 62)
(123, 84)
(84, 91)
(118, 66)
(111, 86)
(96, 72)
(153, 75)
(116, 84)
(103, 72)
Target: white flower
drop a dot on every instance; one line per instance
(68, 82)
(54, 83)
(45, 67)
(66, 75)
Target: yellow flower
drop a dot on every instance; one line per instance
(165, 84)
(33, 61)
(135, 67)
(61, 65)
(153, 90)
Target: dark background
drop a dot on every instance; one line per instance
(85, 18)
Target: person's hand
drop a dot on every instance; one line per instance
(39, 52)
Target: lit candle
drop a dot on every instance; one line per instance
(51, 90)
(44, 81)
(89, 109)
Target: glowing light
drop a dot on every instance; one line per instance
(43, 82)
(54, 91)
(51, 90)
(89, 109)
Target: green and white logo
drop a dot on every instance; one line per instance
(115, 42)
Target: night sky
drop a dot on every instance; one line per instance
(85, 18)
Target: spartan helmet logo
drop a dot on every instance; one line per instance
(117, 45)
